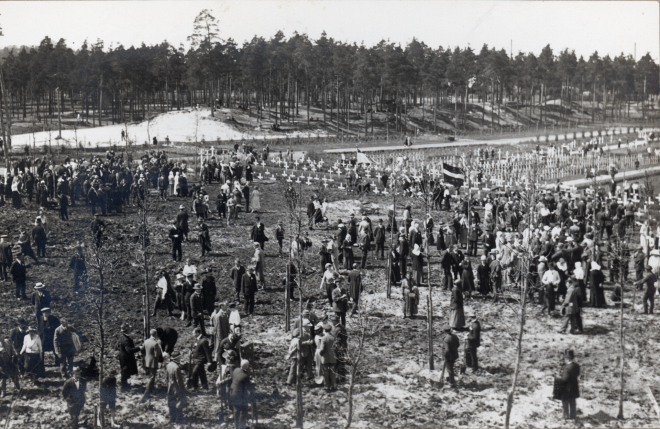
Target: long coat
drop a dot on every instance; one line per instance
(74, 396)
(569, 381)
(483, 275)
(126, 357)
(457, 315)
(596, 292)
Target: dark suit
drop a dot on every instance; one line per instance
(201, 356)
(570, 389)
(236, 275)
(197, 309)
(176, 235)
(209, 291)
(127, 362)
(249, 286)
(240, 394)
(450, 353)
(167, 338)
(75, 398)
(5, 260)
(39, 237)
(176, 391)
(46, 329)
(258, 234)
(19, 273)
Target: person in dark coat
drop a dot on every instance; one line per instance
(197, 308)
(241, 394)
(16, 336)
(447, 262)
(379, 238)
(355, 285)
(19, 273)
(450, 353)
(167, 338)
(79, 268)
(64, 204)
(200, 357)
(205, 239)
(73, 393)
(258, 234)
(596, 292)
(182, 222)
(127, 350)
(472, 344)
(570, 389)
(249, 289)
(176, 235)
(39, 237)
(176, 389)
(395, 272)
(236, 275)
(46, 329)
(6, 258)
(40, 298)
(483, 275)
(209, 291)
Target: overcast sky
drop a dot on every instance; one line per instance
(610, 27)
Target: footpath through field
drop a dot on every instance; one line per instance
(468, 142)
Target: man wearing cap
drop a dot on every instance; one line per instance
(65, 348)
(570, 389)
(200, 357)
(176, 235)
(127, 350)
(79, 268)
(73, 393)
(450, 352)
(153, 354)
(328, 359)
(249, 288)
(18, 272)
(176, 388)
(6, 258)
(197, 308)
(46, 326)
(182, 222)
(40, 298)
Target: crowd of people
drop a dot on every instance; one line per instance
(560, 245)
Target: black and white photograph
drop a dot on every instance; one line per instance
(378, 214)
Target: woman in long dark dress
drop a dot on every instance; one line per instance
(441, 240)
(596, 292)
(347, 248)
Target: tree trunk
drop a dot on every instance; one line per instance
(521, 331)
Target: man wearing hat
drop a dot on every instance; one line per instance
(127, 350)
(18, 272)
(197, 308)
(39, 237)
(176, 388)
(73, 393)
(5, 258)
(483, 275)
(46, 326)
(176, 235)
(569, 387)
(182, 222)
(79, 267)
(16, 336)
(153, 354)
(249, 288)
(220, 323)
(450, 352)
(200, 357)
(328, 359)
(40, 298)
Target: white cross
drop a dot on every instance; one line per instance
(341, 186)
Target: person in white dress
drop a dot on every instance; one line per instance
(255, 200)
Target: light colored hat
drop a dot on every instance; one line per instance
(181, 207)
(39, 286)
(655, 252)
(594, 265)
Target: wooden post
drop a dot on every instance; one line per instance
(430, 330)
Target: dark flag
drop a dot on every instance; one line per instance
(453, 175)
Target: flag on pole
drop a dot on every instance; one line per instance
(453, 175)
